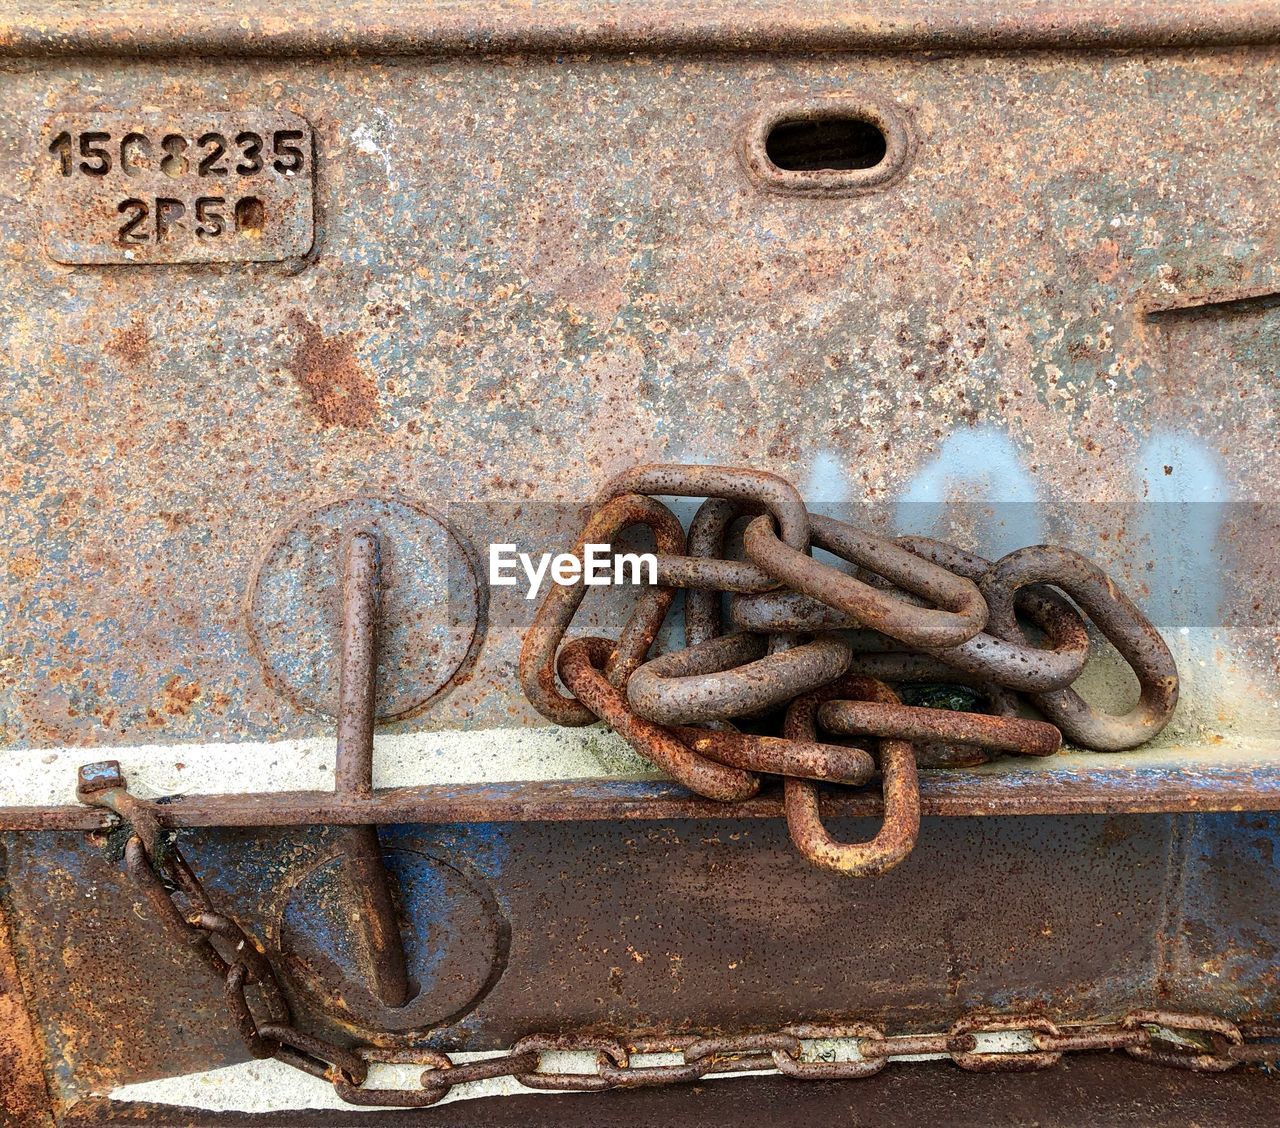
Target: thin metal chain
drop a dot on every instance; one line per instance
(809, 1051)
(840, 1051)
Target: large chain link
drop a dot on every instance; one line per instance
(905, 611)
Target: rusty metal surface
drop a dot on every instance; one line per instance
(1107, 913)
(24, 1097)
(166, 633)
(294, 601)
(1011, 791)
(1180, 1039)
(147, 27)
(1060, 314)
(1092, 1089)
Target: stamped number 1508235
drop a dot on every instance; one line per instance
(154, 188)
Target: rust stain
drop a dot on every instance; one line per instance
(174, 521)
(24, 1099)
(131, 346)
(25, 564)
(565, 262)
(339, 392)
(179, 696)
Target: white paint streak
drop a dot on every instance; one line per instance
(377, 141)
(39, 777)
(47, 777)
(983, 466)
(271, 1086)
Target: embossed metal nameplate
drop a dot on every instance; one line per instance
(160, 187)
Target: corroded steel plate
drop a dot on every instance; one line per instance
(1042, 325)
(430, 604)
(1056, 320)
(182, 186)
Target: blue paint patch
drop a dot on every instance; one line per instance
(439, 907)
(485, 846)
(981, 465)
(1224, 942)
(827, 484)
(1185, 491)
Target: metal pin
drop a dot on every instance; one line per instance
(366, 874)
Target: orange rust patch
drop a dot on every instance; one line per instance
(339, 392)
(25, 564)
(180, 696)
(174, 521)
(23, 1098)
(130, 346)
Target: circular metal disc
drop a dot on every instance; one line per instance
(430, 605)
(455, 943)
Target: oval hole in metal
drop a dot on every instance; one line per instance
(837, 142)
(828, 145)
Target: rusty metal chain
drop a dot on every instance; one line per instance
(844, 1051)
(581, 664)
(175, 894)
(732, 676)
(1016, 664)
(960, 614)
(537, 670)
(899, 782)
(909, 610)
(1120, 621)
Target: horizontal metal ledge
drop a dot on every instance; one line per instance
(1159, 788)
(402, 27)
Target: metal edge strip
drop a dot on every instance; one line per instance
(24, 1095)
(400, 27)
(955, 793)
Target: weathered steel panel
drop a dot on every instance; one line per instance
(1054, 320)
(24, 1098)
(1223, 944)
(631, 285)
(674, 926)
(389, 27)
